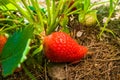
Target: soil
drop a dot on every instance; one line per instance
(101, 63)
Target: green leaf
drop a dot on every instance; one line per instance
(15, 50)
(111, 6)
(11, 6)
(108, 30)
(66, 29)
(4, 2)
(64, 20)
(81, 17)
(86, 5)
(38, 50)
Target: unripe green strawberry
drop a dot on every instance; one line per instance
(3, 40)
(88, 19)
(60, 47)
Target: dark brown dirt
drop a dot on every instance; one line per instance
(103, 61)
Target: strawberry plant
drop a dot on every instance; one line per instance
(34, 29)
(29, 26)
(87, 15)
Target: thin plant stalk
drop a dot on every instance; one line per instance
(38, 11)
(28, 9)
(28, 73)
(112, 8)
(48, 10)
(55, 17)
(22, 11)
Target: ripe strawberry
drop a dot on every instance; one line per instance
(3, 40)
(60, 47)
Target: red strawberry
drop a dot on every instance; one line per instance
(60, 47)
(3, 40)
